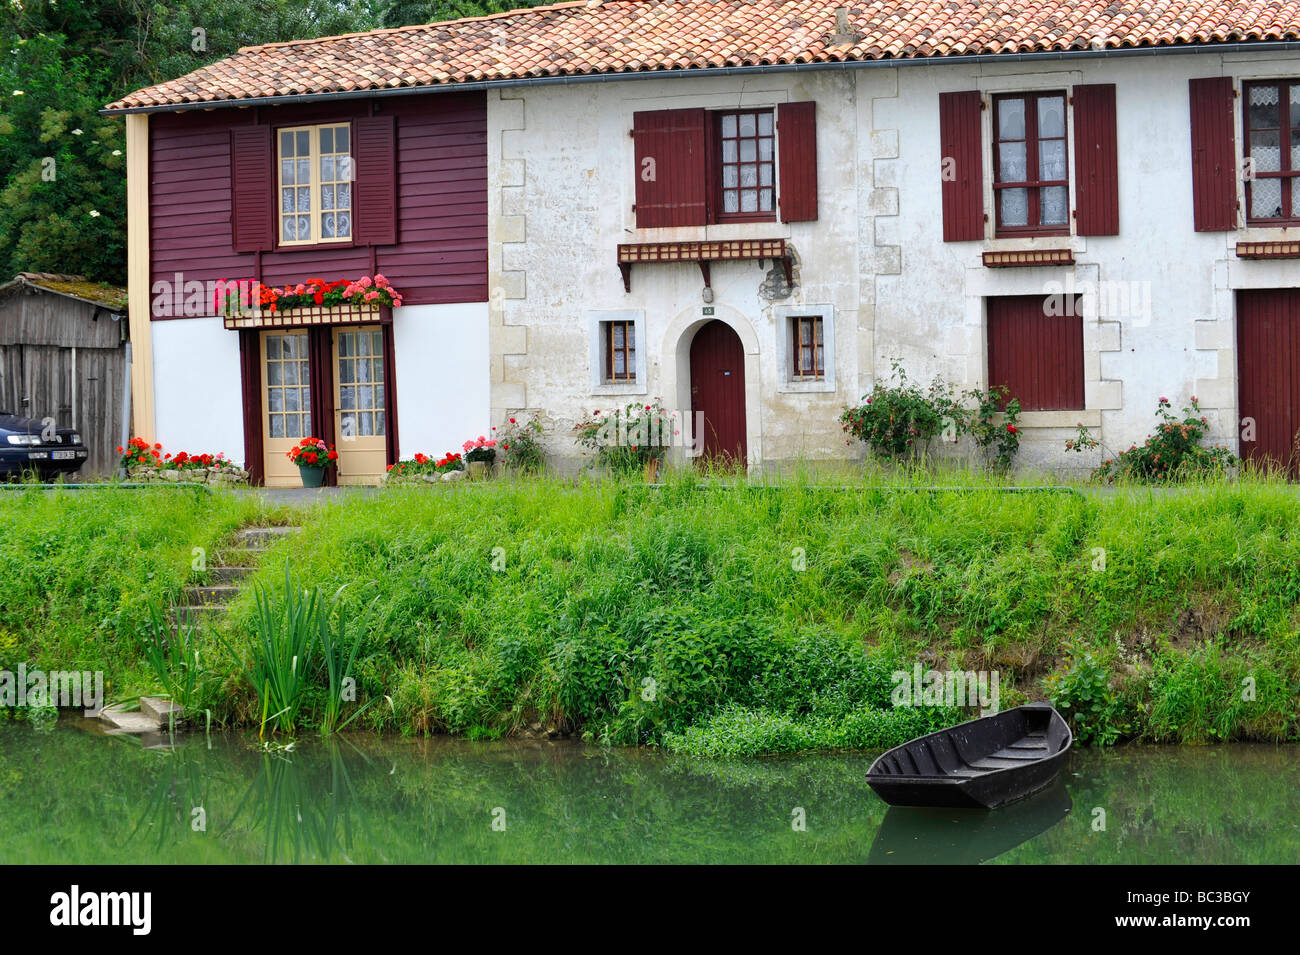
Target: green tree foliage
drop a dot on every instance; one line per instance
(62, 182)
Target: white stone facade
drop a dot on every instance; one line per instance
(561, 191)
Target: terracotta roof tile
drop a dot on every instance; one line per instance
(619, 36)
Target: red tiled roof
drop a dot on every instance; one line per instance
(633, 36)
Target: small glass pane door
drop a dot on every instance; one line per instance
(286, 402)
(360, 399)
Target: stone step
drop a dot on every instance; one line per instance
(212, 594)
(128, 721)
(264, 535)
(228, 575)
(195, 613)
(160, 709)
(243, 558)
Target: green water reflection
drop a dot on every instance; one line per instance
(69, 796)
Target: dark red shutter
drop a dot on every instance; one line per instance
(1214, 155)
(1096, 159)
(1037, 357)
(796, 141)
(375, 190)
(252, 191)
(320, 358)
(1268, 375)
(250, 382)
(962, 166)
(671, 168)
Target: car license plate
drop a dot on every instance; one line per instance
(63, 455)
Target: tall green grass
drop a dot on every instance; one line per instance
(488, 609)
(79, 569)
(740, 615)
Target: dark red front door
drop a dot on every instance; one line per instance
(718, 390)
(1268, 375)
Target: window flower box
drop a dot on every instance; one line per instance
(247, 304)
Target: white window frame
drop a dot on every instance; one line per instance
(317, 213)
(596, 353)
(787, 383)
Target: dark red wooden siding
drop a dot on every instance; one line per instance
(796, 141)
(671, 167)
(1096, 157)
(252, 202)
(441, 199)
(1268, 374)
(1037, 357)
(1214, 156)
(320, 359)
(718, 390)
(376, 184)
(962, 158)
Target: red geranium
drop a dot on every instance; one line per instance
(312, 453)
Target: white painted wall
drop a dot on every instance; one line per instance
(442, 376)
(929, 303)
(198, 406)
(561, 192)
(560, 198)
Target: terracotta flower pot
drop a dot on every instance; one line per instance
(652, 471)
(311, 477)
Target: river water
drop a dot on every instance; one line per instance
(68, 795)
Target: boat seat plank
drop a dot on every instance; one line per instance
(996, 762)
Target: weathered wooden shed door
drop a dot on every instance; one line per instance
(718, 390)
(1268, 375)
(36, 382)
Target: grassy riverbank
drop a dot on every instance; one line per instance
(711, 620)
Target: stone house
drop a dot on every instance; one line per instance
(748, 210)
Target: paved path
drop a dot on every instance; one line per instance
(298, 496)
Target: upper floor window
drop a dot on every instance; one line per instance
(1031, 175)
(315, 184)
(698, 167)
(1273, 145)
(747, 164)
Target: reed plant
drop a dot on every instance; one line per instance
(173, 656)
(285, 638)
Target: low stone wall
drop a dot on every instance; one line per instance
(425, 478)
(224, 477)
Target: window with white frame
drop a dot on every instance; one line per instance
(805, 339)
(616, 351)
(315, 184)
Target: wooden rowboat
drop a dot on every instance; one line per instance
(983, 764)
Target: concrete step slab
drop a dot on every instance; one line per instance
(212, 594)
(265, 535)
(228, 575)
(129, 721)
(161, 709)
(195, 613)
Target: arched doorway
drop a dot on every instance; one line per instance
(718, 391)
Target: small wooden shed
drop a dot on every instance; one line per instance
(63, 355)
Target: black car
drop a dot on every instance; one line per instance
(27, 445)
